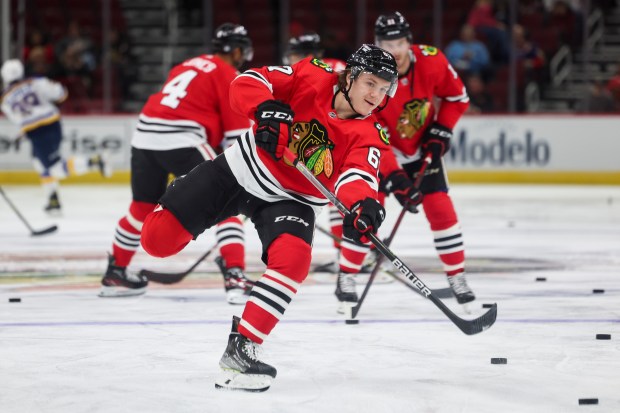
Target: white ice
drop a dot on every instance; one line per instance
(63, 349)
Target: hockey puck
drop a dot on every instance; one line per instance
(603, 336)
(588, 401)
(595, 291)
(352, 321)
(15, 300)
(487, 305)
(541, 279)
(499, 361)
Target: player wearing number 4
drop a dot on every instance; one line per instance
(180, 127)
(415, 127)
(32, 105)
(327, 120)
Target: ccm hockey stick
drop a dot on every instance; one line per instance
(468, 327)
(175, 277)
(33, 232)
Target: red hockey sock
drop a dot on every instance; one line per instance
(163, 235)
(127, 235)
(446, 231)
(230, 239)
(288, 264)
(352, 256)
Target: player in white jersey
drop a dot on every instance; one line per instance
(32, 105)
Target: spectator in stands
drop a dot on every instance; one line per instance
(566, 19)
(122, 62)
(480, 100)
(38, 54)
(530, 56)
(75, 53)
(613, 86)
(494, 32)
(468, 55)
(597, 100)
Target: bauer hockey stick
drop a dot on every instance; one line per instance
(468, 327)
(33, 232)
(175, 277)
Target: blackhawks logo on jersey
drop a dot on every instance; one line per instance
(413, 117)
(313, 147)
(322, 65)
(383, 135)
(428, 50)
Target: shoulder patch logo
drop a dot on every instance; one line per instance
(322, 65)
(382, 134)
(428, 50)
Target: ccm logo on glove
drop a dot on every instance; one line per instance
(277, 115)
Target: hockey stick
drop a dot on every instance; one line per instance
(175, 277)
(468, 327)
(33, 232)
(355, 310)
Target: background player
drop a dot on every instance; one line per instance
(309, 45)
(32, 105)
(323, 117)
(416, 126)
(179, 127)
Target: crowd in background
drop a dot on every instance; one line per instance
(480, 54)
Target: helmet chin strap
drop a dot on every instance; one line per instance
(348, 99)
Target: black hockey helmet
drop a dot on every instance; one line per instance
(373, 59)
(392, 26)
(305, 44)
(229, 36)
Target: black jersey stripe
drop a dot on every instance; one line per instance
(170, 125)
(170, 131)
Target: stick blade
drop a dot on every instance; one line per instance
(162, 277)
(44, 231)
(480, 324)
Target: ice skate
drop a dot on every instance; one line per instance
(53, 206)
(117, 282)
(461, 290)
(241, 368)
(345, 292)
(102, 164)
(236, 284)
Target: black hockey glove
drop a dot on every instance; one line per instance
(273, 133)
(366, 215)
(399, 184)
(436, 139)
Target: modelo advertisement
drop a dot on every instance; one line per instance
(493, 143)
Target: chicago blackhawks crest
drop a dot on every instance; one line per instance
(313, 147)
(413, 117)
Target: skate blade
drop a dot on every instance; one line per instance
(237, 381)
(236, 297)
(120, 291)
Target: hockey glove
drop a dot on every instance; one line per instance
(399, 184)
(366, 215)
(273, 132)
(436, 139)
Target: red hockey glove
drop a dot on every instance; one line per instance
(399, 184)
(273, 133)
(366, 215)
(436, 139)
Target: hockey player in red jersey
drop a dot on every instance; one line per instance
(416, 126)
(180, 127)
(324, 118)
(309, 45)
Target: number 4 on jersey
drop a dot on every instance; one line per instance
(175, 89)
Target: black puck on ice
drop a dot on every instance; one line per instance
(15, 300)
(603, 336)
(487, 305)
(596, 291)
(352, 321)
(541, 279)
(588, 401)
(499, 361)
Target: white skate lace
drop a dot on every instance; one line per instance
(346, 283)
(459, 284)
(252, 350)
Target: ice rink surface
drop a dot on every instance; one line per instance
(63, 349)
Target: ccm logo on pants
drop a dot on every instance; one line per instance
(291, 218)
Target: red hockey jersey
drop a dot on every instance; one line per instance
(344, 154)
(412, 109)
(193, 107)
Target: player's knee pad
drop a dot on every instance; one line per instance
(163, 235)
(439, 210)
(290, 256)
